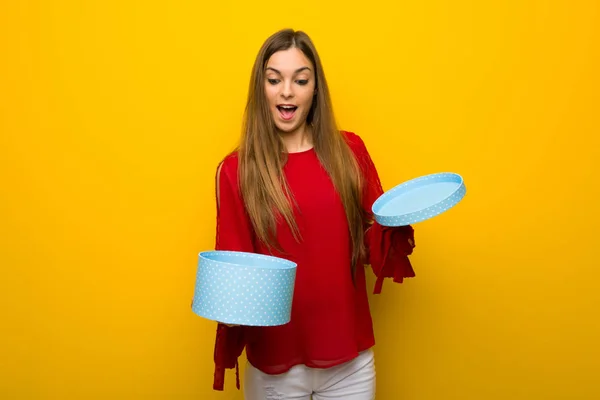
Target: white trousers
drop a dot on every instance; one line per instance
(353, 380)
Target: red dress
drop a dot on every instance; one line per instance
(330, 322)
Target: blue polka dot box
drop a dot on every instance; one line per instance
(419, 199)
(244, 288)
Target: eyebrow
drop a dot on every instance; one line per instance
(297, 71)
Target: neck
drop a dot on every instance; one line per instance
(298, 140)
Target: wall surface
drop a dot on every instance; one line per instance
(114, 115)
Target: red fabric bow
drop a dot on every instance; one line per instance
(228, 347)
(389, 248)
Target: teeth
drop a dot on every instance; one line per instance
(288, 107)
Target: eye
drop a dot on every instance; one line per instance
(302, 82)
(273, 81)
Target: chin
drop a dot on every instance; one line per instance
(289, 127)
(286, 127)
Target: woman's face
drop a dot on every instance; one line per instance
(290, 88)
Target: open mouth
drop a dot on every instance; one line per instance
(287, 112)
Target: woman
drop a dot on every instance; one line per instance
(300, 189)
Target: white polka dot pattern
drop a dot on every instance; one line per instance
(419, 199)
(244, 288)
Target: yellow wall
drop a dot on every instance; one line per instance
(114, 114)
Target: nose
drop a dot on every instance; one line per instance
(287, 90)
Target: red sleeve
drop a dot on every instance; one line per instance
(233, 233)
(388, 248)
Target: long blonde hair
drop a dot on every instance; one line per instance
(262, 154)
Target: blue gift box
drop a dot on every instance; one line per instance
(419, 199)
(244, 288)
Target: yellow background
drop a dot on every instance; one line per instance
(114, 115)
